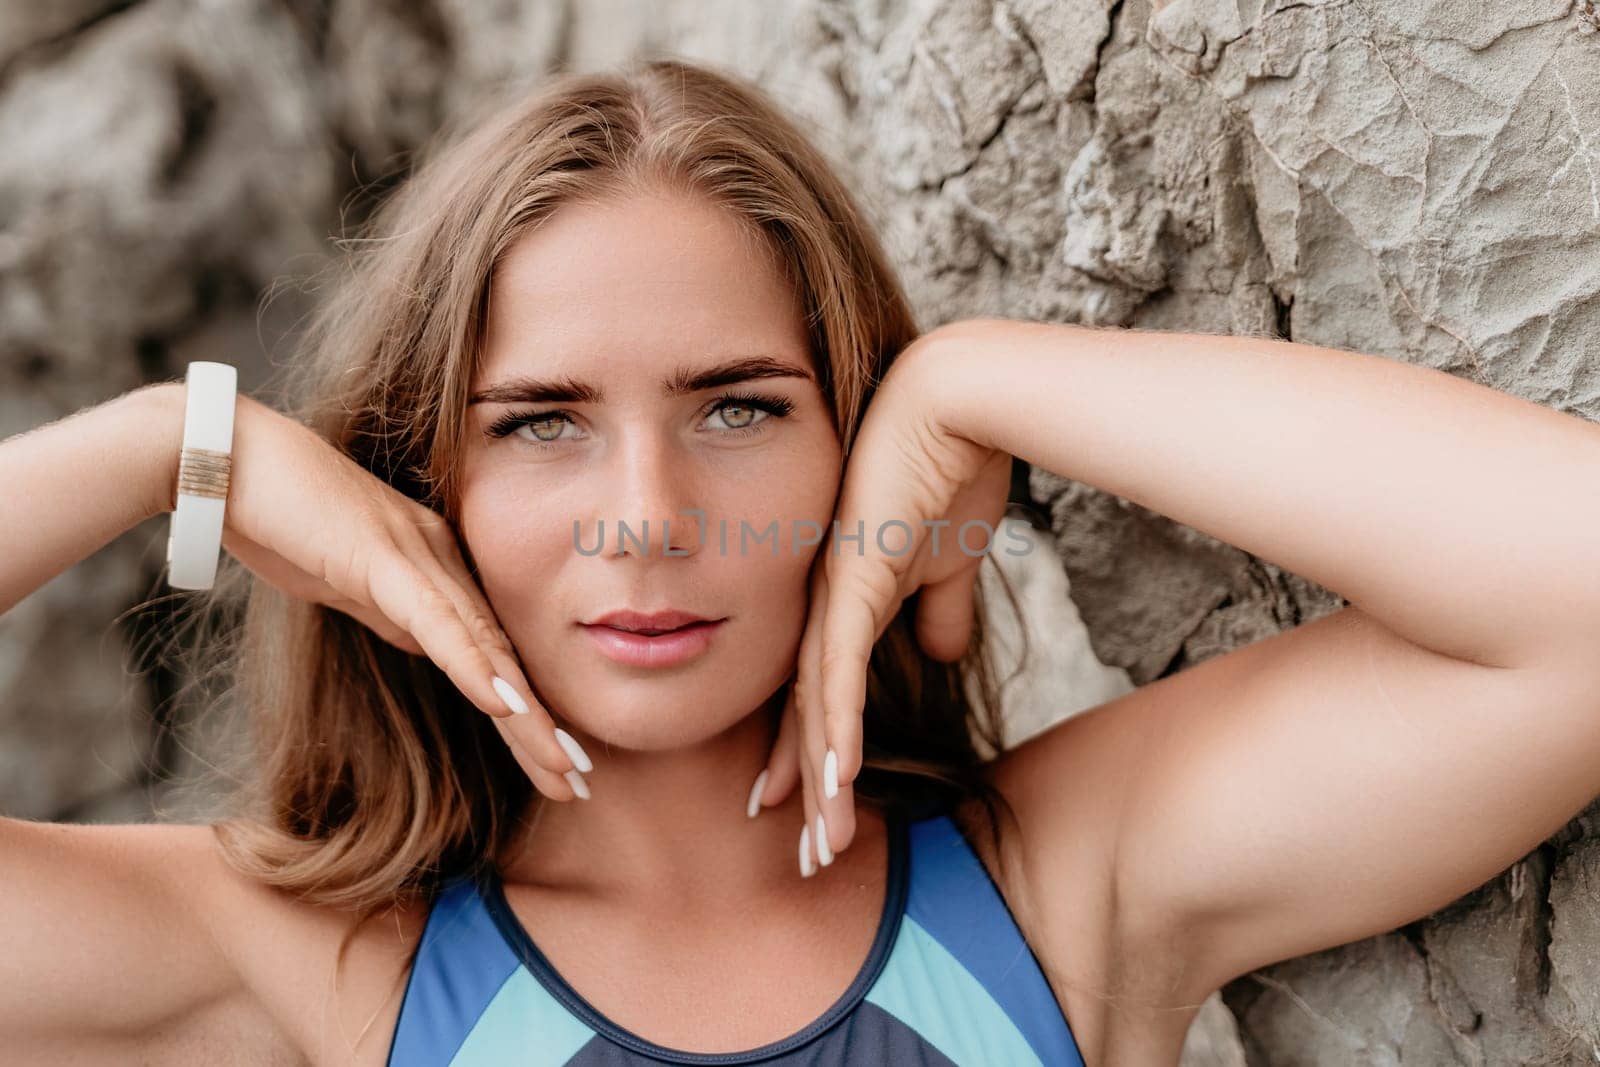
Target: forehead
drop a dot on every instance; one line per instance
(637, 281)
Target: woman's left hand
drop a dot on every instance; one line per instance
(910, 484)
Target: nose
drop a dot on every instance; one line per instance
(650, 499)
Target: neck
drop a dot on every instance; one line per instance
(670, 825)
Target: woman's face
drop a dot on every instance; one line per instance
(609, 331)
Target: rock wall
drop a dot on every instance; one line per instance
(1415, 179)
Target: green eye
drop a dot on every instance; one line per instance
(541, 422)
(744, 412)
(538, 426)
(739, 415)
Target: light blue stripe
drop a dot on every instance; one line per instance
(523, 1025)
(928, 989)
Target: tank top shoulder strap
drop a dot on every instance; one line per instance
(468, 994)
(954, 900)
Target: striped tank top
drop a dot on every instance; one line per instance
(949, 980)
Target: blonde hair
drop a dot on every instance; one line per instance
(370, 777)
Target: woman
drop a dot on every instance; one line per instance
(643, 296)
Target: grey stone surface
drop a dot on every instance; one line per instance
(1415, 179)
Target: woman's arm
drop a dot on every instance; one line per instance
(75, 484)
(1361, 770)
(108, 950)
(104, 948)
(1462, 518)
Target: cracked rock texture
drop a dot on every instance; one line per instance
(1410, 178)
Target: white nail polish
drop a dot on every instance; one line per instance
(512, 698)
(752, 807)
(579, 786)
(807, 868)
(574, 750)
(824, 850)
(830, 775)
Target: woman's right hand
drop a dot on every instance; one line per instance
(312, 523)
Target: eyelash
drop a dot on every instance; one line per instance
(773, 405)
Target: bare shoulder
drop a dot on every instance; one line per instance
(207, 963)
(1056, 868)
(330, 979)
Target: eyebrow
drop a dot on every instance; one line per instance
(525, 390)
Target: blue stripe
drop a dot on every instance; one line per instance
(461, 963)
(955, 901)
(926, 988)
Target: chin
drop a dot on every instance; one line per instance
(658, 715)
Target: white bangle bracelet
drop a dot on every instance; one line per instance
(194, 542)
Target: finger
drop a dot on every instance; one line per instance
(849, 630)
(439, 559)
(944, 614)
(836, 829)
(440, 537)
(536, 728)
(809, 861)
(403, 592)
(400, 589)
(807, 690)
(783, 762)
(552, 785)
(808, 664)
(449, 571)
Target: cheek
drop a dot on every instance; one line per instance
(520, 543)
(773, 588)
(793, 488)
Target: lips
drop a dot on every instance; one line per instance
(660, 639)
(651, 624)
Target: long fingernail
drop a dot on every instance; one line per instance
(574, 750)
(807, 868)
(579, 786)
(752, 807)
(830, 775)
(512, 698)
(824, 851)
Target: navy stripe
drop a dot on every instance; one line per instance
(869, 1035)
